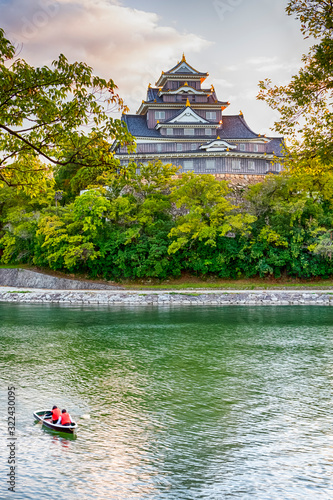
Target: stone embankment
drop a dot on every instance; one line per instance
(220, 298)
(32, 279)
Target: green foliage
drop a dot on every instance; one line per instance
(19, 235)
(150, 225)
(316, 16)
(205, 211)
(305, 104)
(290, 221)
(58, 114)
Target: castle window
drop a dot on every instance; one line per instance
(159, 115)
(210, 164)
(158, 148)
(188, 131)
(242, 147)
(208, 131)
(236, 165)
(251, 165)
(255, 148)
(211, 115)
(169, 131)
(179, 146)
(188, 165)
(193, 147)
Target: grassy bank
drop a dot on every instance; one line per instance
(188, 282)
(246, 284)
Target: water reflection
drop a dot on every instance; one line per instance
(202, 403)
(57, 437)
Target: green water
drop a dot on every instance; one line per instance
(184, 403)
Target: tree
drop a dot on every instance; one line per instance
(54, 116)
(116, 231)
(207, 213)
(305, 104)
(292, 218)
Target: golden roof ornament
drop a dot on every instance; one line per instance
(241, 112)
(183, 58)
(185, 84)
(188, 102)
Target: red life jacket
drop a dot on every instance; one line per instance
(65, 419)
(56, 414)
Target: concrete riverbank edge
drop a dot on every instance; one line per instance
(140, 298)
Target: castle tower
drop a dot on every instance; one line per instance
(183, 123)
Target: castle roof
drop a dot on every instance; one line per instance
(182, 69)
(137, 126)
(186, 115)
(275, 146)
(235, 127)
(153, 95)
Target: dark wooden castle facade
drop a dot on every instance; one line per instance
(184, 124)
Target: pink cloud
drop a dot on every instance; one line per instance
(127, 45)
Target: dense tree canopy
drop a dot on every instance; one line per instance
(55, 116)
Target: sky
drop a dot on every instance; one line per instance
(238, 42)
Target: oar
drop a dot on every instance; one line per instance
(46, 415)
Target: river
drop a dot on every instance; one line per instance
(172, 403)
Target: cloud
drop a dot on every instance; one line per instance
(261, 60)
(285, 68)
(128, 45)
(222, 83)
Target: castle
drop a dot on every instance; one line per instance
(184, 124)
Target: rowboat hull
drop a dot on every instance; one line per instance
(43, 416)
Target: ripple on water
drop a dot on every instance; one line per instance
(202, 403)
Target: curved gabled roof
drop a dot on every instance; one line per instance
(275, 146)
(184, 110)
(235, 127)
(152, 95)
(182, 68)
(137, 126)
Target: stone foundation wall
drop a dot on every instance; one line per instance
(31, 279)
(237, 180)
(251, 298)
(240, 180)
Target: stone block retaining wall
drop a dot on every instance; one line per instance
(31, 279)
(253, 298)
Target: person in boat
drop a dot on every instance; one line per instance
(55, 414)
(65, 418)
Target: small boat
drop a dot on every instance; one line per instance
(45, 416)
